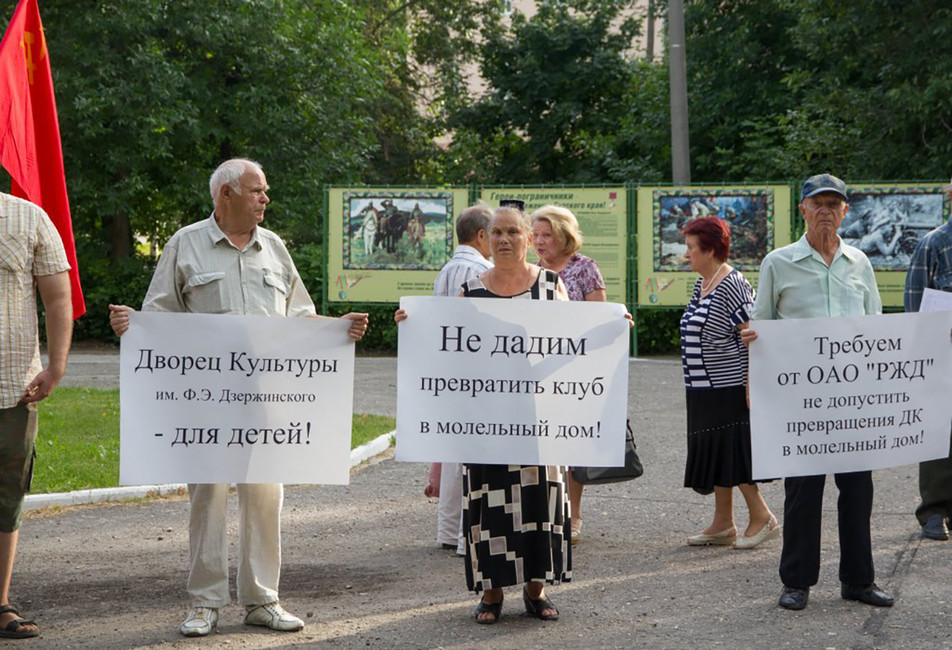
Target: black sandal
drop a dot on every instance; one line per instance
(536, 606)
(12, 629)
(489, 608)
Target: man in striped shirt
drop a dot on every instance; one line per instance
(31, 257)
(471, 258)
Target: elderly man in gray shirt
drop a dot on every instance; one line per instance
(229, 264)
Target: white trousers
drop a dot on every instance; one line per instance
(449, 522)
(259, 543)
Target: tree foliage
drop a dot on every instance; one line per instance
(429, 49)
(784, 88)
(555, 84)
(884, 64)
(152, 94)
(738, 54)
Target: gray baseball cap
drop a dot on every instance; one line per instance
(823, 183)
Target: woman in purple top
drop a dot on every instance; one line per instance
(556, 238)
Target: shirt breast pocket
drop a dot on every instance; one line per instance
(855, 299)
(277, 290)
(205, 292)
(14, 253)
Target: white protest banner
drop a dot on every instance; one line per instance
(834, 395)
(211, 398)
(512, 382)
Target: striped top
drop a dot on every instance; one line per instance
(466, 263)
(29, 247)
(712, 354)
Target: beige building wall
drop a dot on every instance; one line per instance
(528, 7)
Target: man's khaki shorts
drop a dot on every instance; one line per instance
(17, 437)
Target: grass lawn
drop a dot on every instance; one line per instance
(78, 444)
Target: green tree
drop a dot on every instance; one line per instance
(429, 47)
(152, 94)
(879, 69)
(556, 83)
(738, 56)
(784, 88)
(639, 149)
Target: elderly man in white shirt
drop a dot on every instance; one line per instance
(470, 259)
(229, 264)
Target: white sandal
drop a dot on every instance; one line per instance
(761, 536)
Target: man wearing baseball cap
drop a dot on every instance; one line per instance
(821, 276)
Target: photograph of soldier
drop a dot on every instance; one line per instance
(887, 223)
(749, 213)
(398, 230)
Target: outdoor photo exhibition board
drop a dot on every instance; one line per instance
(512, 382)
(847, 394)
(387, 242)
(209, 398)
(759, 217)
(602, 214)
(886, 221)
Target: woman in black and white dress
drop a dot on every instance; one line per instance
(715, 376)
(538, 551)
(515, 517)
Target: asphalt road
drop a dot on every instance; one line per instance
(361, 565)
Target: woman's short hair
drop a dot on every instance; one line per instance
(523, 219)
(713, 234)
(564, 227)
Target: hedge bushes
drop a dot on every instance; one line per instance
(658, 331)
(123, 282)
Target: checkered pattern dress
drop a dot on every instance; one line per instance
(516, 517)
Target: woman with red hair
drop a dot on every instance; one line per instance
(715, 374)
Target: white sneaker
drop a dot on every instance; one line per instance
(200, 621)
(272, 615)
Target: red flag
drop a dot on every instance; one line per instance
(30, 148)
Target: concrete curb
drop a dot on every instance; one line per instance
(105, 495)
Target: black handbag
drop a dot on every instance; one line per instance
(631, 469)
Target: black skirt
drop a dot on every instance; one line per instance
(718, 439)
